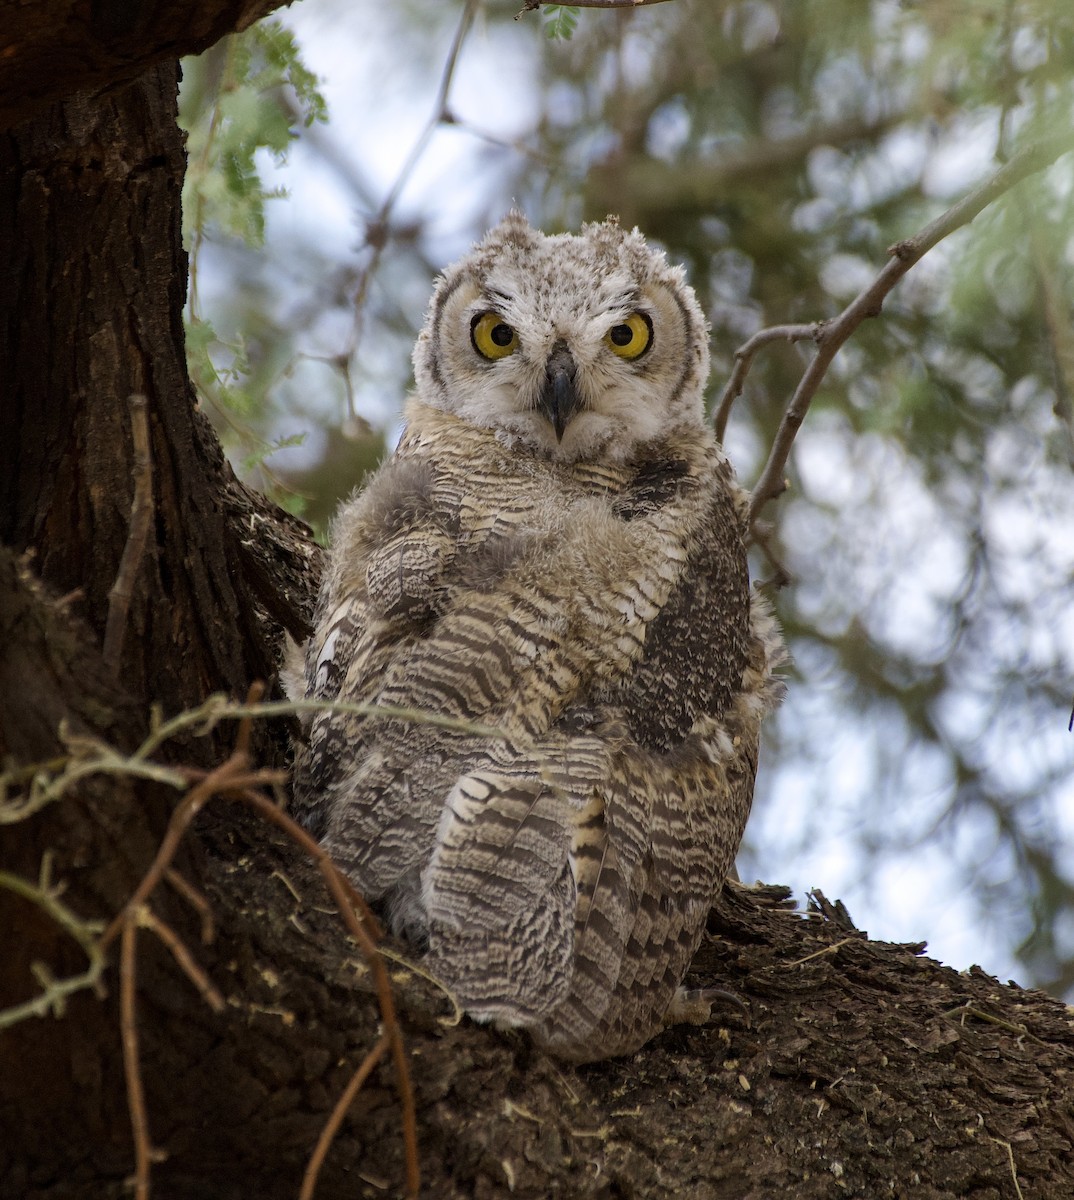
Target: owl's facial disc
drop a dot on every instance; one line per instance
(558, 398)
(570, 347)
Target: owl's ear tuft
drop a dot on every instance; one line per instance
(513, 231)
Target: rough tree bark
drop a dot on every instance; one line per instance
(862, 1069)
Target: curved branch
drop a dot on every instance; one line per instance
(831, 335)
(533, 5)
(744, 360)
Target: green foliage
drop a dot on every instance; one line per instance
(235, 103)
(243, 97)
(560, 21)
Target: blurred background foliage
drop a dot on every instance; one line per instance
(921, 767)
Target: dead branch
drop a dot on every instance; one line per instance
(87, 757)
(196, 901)
(220, 707)
(377, 228)
(761, 534)
(831, 335)
(744, 360)
(534, 5)
(119, 599)
(347, 898)
(234, 780)
(53, 996)
(132, 1064)
(1014, 1170)
(90, 756)
(231, 775)
(339, 1111)
(184, 959)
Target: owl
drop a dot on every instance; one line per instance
(542, 597)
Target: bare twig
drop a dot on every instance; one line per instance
(761, 536)
(104, 760)
(968, 1010)
(119, 599)
(413, 968)
(377, 227)
(209, 991)
(1010, 1159)
(339, 1111)
(196, 901)
(53, 997)
(232, 780)
(826, 950)
(533, 5)
(132, 1066)
(220, 707)
(441, 113)
(231, 775)
(744, 356)
(242, 737)
(52, 779)
(346, 898)
(26, 774)
(869, 302)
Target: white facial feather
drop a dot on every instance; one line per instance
(566, 289)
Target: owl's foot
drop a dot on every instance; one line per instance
(693, 1006)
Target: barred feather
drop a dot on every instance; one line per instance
(588, 600)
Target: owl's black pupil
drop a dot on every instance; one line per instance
(502, 334)
(622, 335)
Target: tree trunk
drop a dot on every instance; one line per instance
(860, 1070)
(93, 296)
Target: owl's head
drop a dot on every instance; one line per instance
(571, 346)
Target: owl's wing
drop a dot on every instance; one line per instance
(677, 793)
(393, 546)
(501, 898)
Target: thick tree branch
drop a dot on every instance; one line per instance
(51, 50)
(867, 1056)
(831, 335)
(644, 190)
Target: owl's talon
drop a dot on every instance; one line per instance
(693, 1006)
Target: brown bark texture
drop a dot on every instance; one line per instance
(854, 1068)
(50, 50)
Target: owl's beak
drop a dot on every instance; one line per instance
(558, 399)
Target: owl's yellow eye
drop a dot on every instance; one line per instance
(632, 338)
(492, 337)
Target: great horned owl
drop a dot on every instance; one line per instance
(549, 576)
